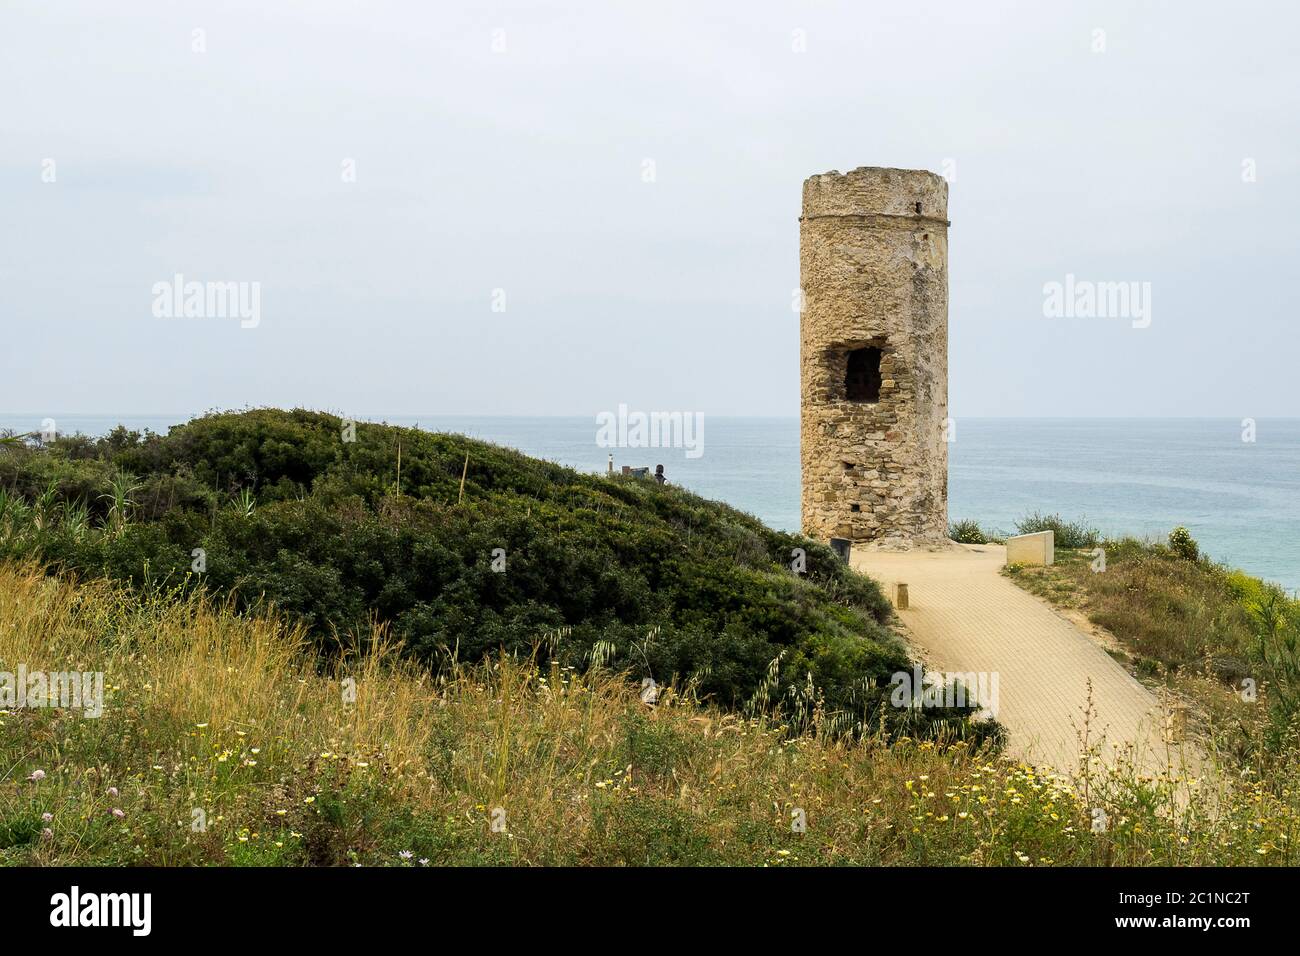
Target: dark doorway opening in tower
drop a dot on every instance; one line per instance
(862, 376)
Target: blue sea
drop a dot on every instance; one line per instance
(1240, 499)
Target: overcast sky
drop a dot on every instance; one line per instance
(524, 170)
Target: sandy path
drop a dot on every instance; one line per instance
(965, 616)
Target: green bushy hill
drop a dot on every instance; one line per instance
(648, 578)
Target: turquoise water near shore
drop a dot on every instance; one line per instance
(1241, 500)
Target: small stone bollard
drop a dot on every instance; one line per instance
(900, 596)
(842, 547)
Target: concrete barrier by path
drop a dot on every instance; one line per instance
(1036, 548)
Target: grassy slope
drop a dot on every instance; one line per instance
(214, 711)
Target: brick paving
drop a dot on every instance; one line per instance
(964, 616)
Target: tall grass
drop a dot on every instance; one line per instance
(224, 740)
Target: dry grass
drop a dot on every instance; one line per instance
(222, 720)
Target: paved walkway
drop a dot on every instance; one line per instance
(965, 616)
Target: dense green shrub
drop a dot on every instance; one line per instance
(1065, 534)
(966, 531)
(1183, 544)
(277, 508)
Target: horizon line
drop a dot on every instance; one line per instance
(184, 417)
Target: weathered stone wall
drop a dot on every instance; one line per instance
(873, 262)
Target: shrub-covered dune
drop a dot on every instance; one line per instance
(460, 546)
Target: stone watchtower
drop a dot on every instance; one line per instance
(873, 355)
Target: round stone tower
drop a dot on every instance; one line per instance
(873, 354)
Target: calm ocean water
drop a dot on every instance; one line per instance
(1241, 500)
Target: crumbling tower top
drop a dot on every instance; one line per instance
(876, 190)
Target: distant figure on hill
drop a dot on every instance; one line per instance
(659, 474)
